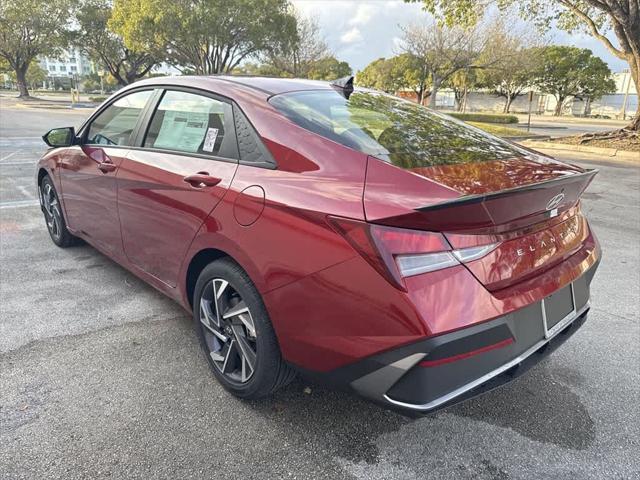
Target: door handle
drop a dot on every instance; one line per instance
(202, 179)
(106, 166)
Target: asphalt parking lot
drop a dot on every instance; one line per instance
(102, 377)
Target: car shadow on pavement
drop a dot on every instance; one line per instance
(540, 406)
(334, 422)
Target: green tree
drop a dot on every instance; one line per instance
(94, 37)
(441, 51)
(460, 82)
(511, 76)
(403, 71)
(4, 66)
(595, 16)
(306, 55)
(376, 75)
(204, 36)
(328, 68)
(567, 72)
(295, 57)
(29, 28)
(35, 75)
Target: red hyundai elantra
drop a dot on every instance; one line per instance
(347, 234)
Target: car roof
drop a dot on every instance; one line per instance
(262, 86)
(275, 85)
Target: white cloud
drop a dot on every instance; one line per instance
(364, 14)
(397, 43)
(351, 36)
(317, 8)
(360, 31)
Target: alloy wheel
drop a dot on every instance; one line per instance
(229, 330)
(51, 206)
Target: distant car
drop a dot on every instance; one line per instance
(353, 236)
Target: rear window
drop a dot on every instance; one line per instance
(396, 130)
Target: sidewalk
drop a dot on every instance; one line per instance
(9, 100)
(550, 119)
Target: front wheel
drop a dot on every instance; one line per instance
(236, 333)
(53, 216)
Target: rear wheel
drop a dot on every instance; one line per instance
(236, 333)
(53, 216)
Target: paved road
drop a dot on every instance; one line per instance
(101, 376)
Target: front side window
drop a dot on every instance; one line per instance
(398, 131)
(115, 125)
(191, 123)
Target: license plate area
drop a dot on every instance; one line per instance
(558, 310)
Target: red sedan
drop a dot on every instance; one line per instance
(339, 232)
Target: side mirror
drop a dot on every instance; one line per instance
(60, 137)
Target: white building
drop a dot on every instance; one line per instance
(70, 63)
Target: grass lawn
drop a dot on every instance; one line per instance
(499, 130)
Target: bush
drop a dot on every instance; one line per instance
(485, 117)
(98, 99)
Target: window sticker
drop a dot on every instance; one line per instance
(182, 131)
(210, 140)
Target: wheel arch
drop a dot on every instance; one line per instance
(197, 263)
(42, 172)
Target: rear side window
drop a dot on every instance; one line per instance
(401, 132)
(191, 123)
(115, 124)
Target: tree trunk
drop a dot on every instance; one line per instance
(558, 111)
(634, 63)
(434, 92)
(507, 104)
(21, 81)
(587, 107)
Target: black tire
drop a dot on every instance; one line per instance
(269, 372)
(53, 216)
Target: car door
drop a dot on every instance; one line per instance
(168, 185)
(88, 171)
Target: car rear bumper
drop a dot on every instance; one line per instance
(436, 372)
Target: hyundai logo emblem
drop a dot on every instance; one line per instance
(555, 201)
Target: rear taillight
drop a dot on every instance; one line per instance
(397, 253)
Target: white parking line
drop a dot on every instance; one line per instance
(8, 156)
(21, 138)
(19, 204)
(25, 191)
(9, 164)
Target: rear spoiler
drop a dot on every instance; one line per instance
(510, 207)
(544, 185)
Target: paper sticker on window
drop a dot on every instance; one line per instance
(210, 140)
(182, 131)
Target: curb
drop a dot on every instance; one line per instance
(532, 137)
(609, 152)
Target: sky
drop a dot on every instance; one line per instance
(360, 31)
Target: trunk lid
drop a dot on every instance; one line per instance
(483, 197)
(528, 206)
